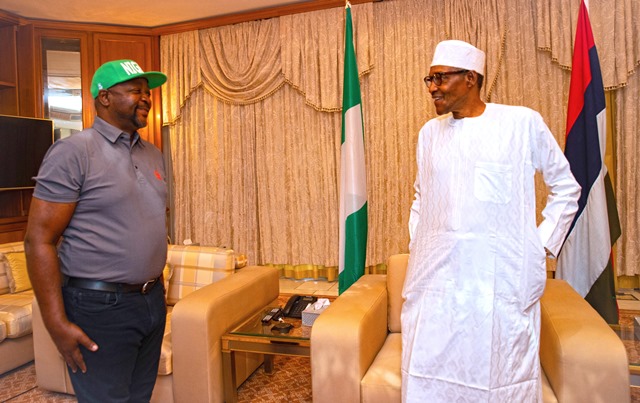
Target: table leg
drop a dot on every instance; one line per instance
(229, 376)
(268, 363)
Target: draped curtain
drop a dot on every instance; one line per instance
(253, 114)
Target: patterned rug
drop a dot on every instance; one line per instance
(290, 381)
(19, 385)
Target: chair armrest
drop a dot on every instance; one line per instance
(200, 319)
(346, 338)
(583, 358)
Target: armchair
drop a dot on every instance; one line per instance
(356, 345)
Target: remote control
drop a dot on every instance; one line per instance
(272, 315)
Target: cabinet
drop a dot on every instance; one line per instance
(8, 69)
(13, 203)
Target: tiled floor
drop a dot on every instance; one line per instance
(628, 299)
(318, 288)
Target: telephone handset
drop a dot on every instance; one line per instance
(296, 304)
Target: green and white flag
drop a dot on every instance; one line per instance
(353, 179)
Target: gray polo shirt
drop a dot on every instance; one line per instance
(118, 229)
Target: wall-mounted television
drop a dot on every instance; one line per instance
(23, 144)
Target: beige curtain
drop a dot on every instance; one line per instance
(253, 111)
(627, 175)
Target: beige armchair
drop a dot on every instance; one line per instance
(192, 340)
(356, 345)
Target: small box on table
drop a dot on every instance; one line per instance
(310, 314)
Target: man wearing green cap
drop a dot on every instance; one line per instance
(96, 242)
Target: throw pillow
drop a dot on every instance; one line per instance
(17, 273)
(4, 280)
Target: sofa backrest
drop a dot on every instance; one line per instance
(192, 267)
(4, 264)
(396, 270)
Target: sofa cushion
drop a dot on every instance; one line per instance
(3, 331)
(12, 247)
(15, 312)
(17, 272)
(194, 267)
(7, 247)
(166, 353)
(4, 280)
(383, 380)
(547, 393)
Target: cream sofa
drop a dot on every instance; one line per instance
(207, 296)
(356, 345)
(16, 339)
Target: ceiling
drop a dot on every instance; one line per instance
(150, 13)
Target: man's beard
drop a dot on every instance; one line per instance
(138, 122)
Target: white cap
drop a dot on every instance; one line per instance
(454, 53)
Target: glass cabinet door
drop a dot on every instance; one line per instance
(62, 84)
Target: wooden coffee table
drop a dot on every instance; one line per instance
(255, 337)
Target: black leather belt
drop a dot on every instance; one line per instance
(97, 285)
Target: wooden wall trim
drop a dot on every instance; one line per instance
(87, 27)
(7, 18)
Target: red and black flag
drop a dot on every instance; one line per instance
(585, 260)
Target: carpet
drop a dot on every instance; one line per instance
(19, 386)
(290, 381)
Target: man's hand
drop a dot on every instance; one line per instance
(68, 338)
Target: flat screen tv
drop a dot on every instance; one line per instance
(23, 144)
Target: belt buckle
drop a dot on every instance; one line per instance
(147, 286)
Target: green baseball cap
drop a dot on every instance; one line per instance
(119, 71)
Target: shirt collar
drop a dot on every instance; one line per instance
(111, 132)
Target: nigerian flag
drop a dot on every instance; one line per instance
(353, 180)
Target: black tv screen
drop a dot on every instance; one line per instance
(23, 144)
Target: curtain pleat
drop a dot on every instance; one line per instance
(180, 58)
(241, 63)
(313, 53)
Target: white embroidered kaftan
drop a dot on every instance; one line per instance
(471, 322)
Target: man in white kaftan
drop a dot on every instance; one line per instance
(470, 320)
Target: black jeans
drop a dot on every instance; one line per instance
(128, 328)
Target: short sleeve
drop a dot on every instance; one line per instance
(61, 173)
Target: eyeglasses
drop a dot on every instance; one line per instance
(437, 77)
